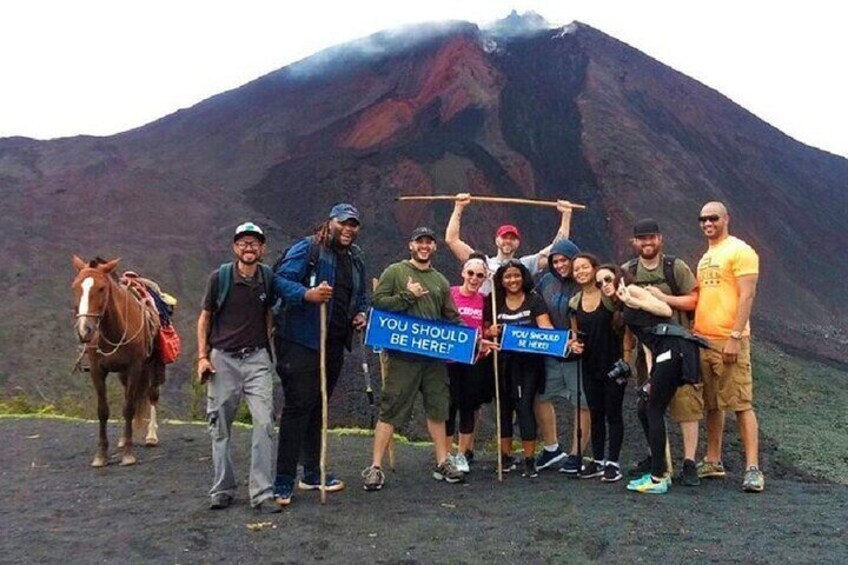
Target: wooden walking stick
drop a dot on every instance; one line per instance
(382, 356)
(322, 358)
(498, 199)
(497, 387)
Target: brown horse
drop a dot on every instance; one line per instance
(118, 331)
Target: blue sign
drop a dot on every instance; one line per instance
(527, 339)
(431, 338)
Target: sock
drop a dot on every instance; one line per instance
(552, 448)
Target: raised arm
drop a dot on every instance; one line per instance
(564, 231)
(459, 248)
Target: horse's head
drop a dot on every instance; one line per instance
(91, 291)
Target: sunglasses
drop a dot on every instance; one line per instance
(710, 218)
(476, 275)
(606, 280)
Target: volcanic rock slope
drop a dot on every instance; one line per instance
(434, 109)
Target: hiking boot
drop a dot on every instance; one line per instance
(548, 459)
(373, 478)
(446, 471)
(640, 469)
(689, 474)
(571, 465)
(312, 481)
(708, 469)
(268, 506)
(508, 463)
(461, 463)
(591, 470)
(612, 473)
(754, 480)
(530, 471)
(648, 485)
(220, 501)
(283, 490)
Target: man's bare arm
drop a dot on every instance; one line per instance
(747, 286)
(564, 231)
(459, 248)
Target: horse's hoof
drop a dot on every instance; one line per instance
(128, 460)
(151, 442)
(98, 461)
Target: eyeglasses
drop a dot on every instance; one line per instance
(248, 244)
(606, 280)
(709, 218)
(476, 275)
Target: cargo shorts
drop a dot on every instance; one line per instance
(727, 387)
(405, 377)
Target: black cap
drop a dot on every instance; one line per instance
(418, 233)
(646, 226)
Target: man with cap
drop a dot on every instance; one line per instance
(234, 362)
(507, 239)
(326, 267)
(669, 279)
(415, 288)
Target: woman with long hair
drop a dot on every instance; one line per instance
(522, 375)
(598, 327)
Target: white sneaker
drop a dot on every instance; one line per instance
(461, 463)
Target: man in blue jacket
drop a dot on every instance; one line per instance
(325, 267)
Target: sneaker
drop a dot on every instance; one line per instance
(268, 506)
(708, 469)
(640, 469)
(283, 490)
(754, 480)
(312, 481)
(689, 474)
(549, 458)
(461, 463)
(220, 501)
(446, 471)
(591, 470)
(508, 463)
(612, 473)
(571, 465)
(530, 470)
(647, 485)
(373, 478)
(469, 456)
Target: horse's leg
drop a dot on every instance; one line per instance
(122, 441)
(157, 376)
(98, 379)
(133, 376)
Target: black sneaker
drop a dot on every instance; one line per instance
(530, 471)
(591, 470)
(689, 475)
(612, 473)
(220, 501)
(268, 506)
(548, 459)
(641, 468)
(571, 465)
(508, 463)
(469, 456)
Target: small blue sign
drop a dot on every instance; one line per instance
(526, 339)
(431, 338)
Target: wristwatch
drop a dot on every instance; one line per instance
(736, 335)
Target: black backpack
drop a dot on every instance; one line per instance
(668, 277)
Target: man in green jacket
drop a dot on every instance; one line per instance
(414, 288)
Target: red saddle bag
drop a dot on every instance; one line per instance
(169, 344)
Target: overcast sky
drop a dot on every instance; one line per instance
(100, 67)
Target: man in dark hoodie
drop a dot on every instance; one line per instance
(557, 287)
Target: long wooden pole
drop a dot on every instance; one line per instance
(383, 388)
(497, 389)
(499, 199)
(324, 403)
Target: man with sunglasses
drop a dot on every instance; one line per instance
(233, 361)
(727, 275)
(670, 280)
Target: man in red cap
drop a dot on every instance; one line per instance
(507, 239)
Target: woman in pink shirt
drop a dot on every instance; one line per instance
(466, 388)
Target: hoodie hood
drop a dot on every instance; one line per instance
(562, 247)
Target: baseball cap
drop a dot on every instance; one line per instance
(646, 226)
(422, 231)
(343, 212)
(249, 228)
(508, 228)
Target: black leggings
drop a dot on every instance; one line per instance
(605, 399)
(665, 380)
(521, 378)
(462, 398)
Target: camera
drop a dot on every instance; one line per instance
(620, 372)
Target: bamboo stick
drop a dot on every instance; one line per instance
(498, 199)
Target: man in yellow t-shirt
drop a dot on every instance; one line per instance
(727, 278)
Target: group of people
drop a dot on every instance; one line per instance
(636, 319)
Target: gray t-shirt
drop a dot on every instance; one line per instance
(529, 261)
